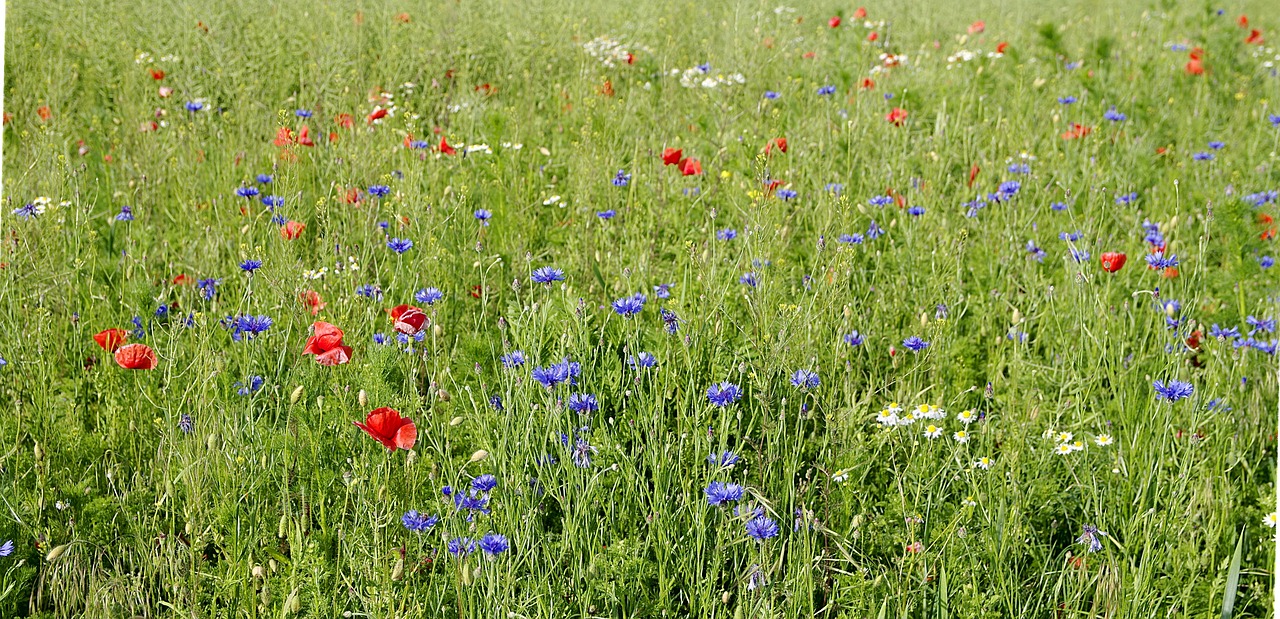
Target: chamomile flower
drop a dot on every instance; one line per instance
(967, 416)
(1063, 449)
(1102, 440)
(983, 463)
(931, 431)
(961, 436)
(887, 418)
(1064, 437)
(1270, 520)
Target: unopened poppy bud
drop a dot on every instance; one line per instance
(437, 330)
(1170, 310)
(363, 398)
(455, 421)
(293, 604)
(924, 319)
(56, 553)
(725, 597)
(397, 571)
(272, 565)
(211, 442)
(296, 395)
(1017, 316)
(479, 455)
(38, 453)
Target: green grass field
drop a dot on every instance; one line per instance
(887, 362)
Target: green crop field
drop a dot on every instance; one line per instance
(491, 308)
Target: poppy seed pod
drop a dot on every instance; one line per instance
(56, 553)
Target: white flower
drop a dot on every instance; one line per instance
(1063, 449)
(931, 431)
(840, 476)
(961, 436)
(887, 418)
(967, 416)
(1270, 520)
(1102, 440)
(983, 463)
(551, 200)
(1064, 437)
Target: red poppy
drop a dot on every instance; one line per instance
(476, 291)
(352, 196)
(311, 299)
(1113, 261)
(671, 156)
(1170, 273)
(1254, 38)
(44, 112)
(408, 319)
(1243, 21)
(866, 84)
(377, 114)
(607, 89)
(1193, 342)
(690, 167)
(1195, 66)
(861, 13)
(403, 18)
(136, 357)
(778, 143)
(1076, 131)
(333, 136)
(284, 137)
(486, 88)
(8, 118)
(180, 279)
(344, 120)
(392, 430)
(772, 184)
(977, 27)
(896, 116)
(834, 22)
(1002, 47)
(157, 74)
(873, 36)
(111, 339)
(292, 230)
(445, 149)
(809, 55)
(631, 58)
(304, 136)
(326, 345)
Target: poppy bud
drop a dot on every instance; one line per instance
(725, 597)
(437, 330)
(292, 604)
(362, 398)
(455, 421)
(397, 572)
(265, 595)
(319, 401)
(924, 319)
(273, 566)
(1017, 316)
(211, 443)
(296, 395)
(56, 553)
(479, 455)
(38, 452)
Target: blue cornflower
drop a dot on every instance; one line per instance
(418, 523)
(1127, 198)
(380, 339)
(301, 113)
(264, 179)
(805, 379)
(874, 231)
(473, 501)
(248, 324)
(762, 528)
(1174, 391)
(194, 106)
(834, 189)
(670, 321)
(6, 548)
(1019, 168)
(852, 239)
(551, 375)
(495, 401)
(1079, 255)
(629, 306)
(662, 291)
(369, 291)
(547, 275)
(1216, 145)
(28, 210)
(379, 190)
(786, 194)
(1153, 235)
(607, 214)
(642, 361)
(771, 95)
(1114, 116)
(186, 423)
(1266, 325)
(272, 202)
(1203, 156)
(582, 452)
(484, 483)
(621, 179)
(399, 245)
(247, 192)
(914, 344)
(494, 544)
(1008, 189)
(251, 265)
(827, 90)
(255, 383)
(1071, 236)
(1072, 66)
(1274, 119)
(1222, 334)
(460, 546)
(428, 296)
(1067, 100)
(1158, 260)
(915, 211)
(1058, 206)
(138, 331)
(728, 234)
(749, 279)
(880, 200)
(719, 493)
(853, 339)
(126, 214)
(723, 394)
(583, 403)
(420, 144)
(1091, 537)
(513, 359)
(483, 216)
(1266, 262)
(725, 460)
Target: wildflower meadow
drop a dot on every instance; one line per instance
(487, 308)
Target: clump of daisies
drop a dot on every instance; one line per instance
(701, 76)
(1066, 443)
(611, 52)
